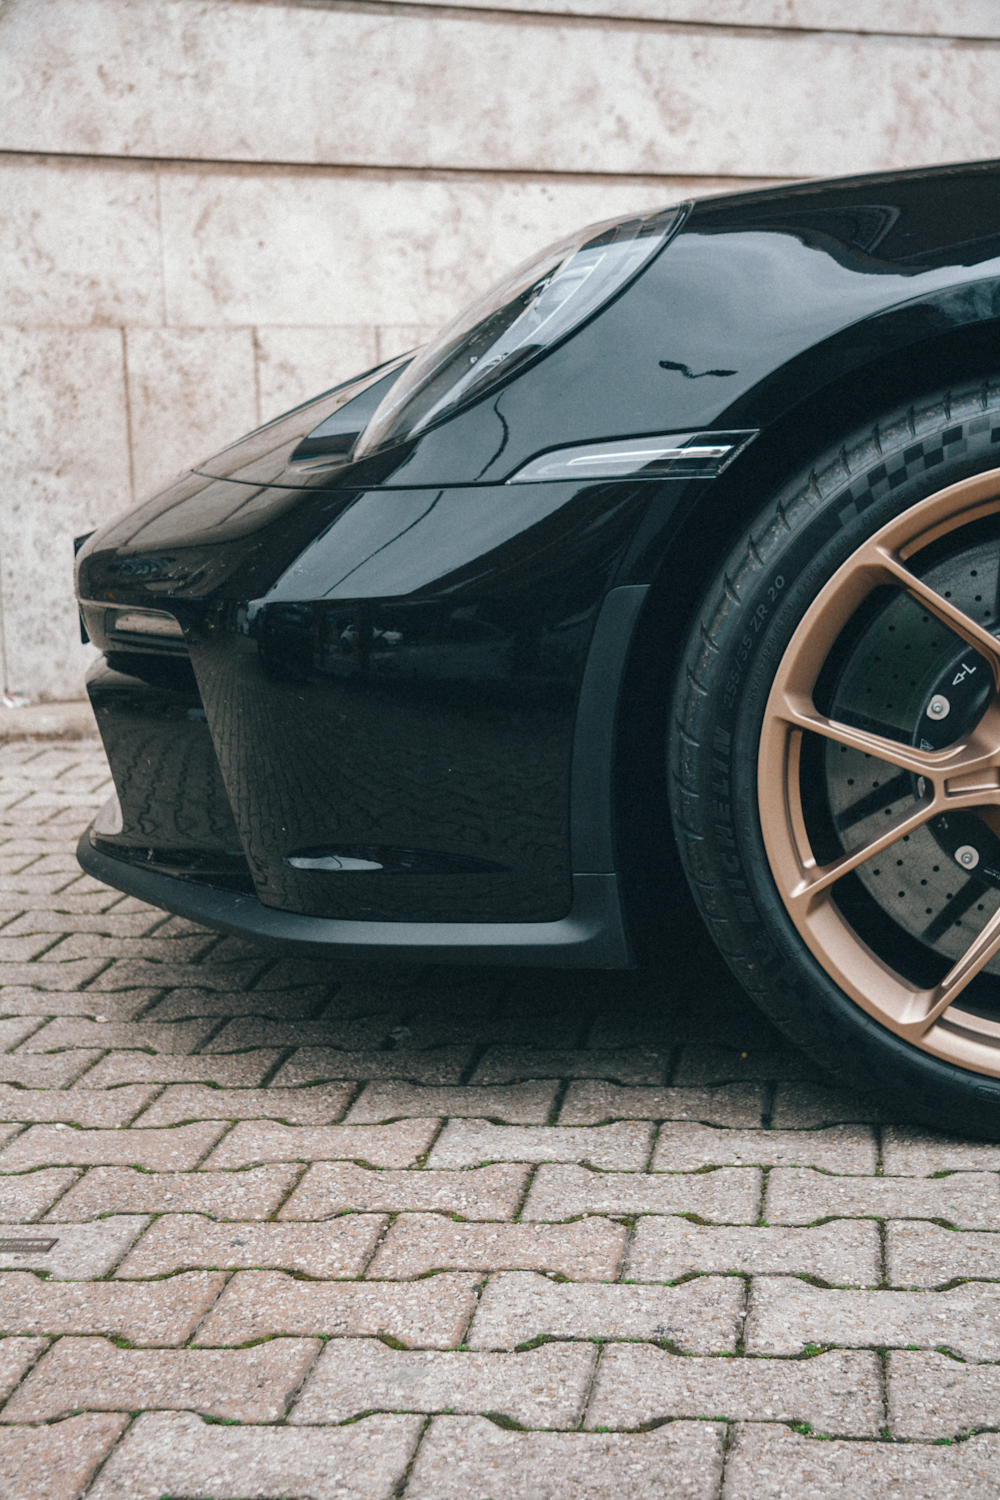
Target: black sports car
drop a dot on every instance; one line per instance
(679, 548)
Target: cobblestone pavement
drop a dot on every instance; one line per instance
(273, 1227)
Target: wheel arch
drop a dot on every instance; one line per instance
(650, 873)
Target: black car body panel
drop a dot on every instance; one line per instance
(399, 678)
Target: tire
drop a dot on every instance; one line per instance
(857, 898)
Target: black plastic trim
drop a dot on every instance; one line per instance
(592, 833)
(592, 936)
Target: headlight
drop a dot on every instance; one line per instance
(521, 318)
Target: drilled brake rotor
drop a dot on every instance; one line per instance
(910, 678)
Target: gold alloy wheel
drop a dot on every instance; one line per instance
(963, 777)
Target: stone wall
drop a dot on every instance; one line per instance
(214, 209)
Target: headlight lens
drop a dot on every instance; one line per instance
(518, 320)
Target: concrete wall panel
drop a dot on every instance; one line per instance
(79, 243)
(64, 437)
(214, 79)
(191, 391)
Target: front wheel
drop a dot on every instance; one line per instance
(835, 759)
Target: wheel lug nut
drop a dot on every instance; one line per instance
(967, 857)
(938, 707)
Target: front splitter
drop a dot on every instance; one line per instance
(591, 936)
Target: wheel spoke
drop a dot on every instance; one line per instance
(920, 762)
(963, 625)
(975, 958)
(820, 878)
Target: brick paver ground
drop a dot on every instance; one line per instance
(427, 1233)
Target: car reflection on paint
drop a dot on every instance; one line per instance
(285, 640)
(294, 640)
